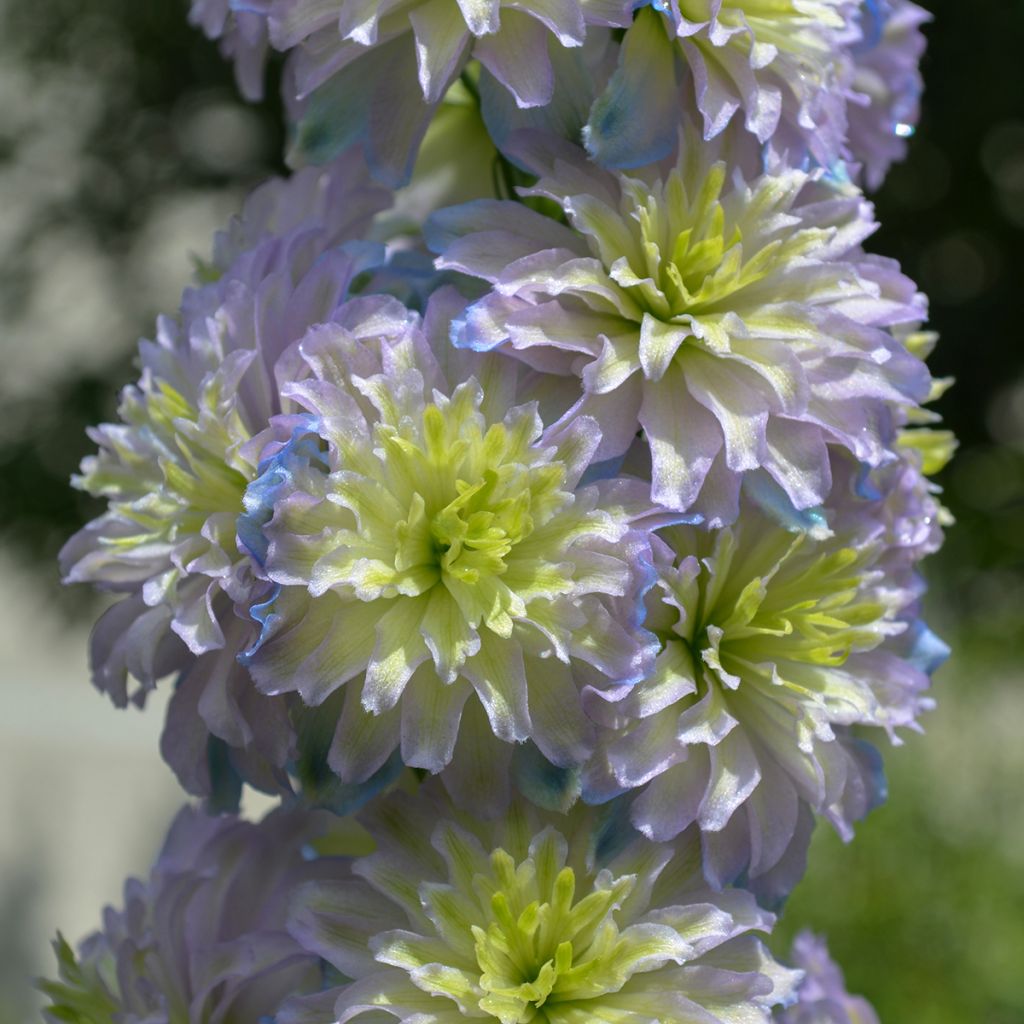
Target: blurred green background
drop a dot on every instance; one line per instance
(123, 144)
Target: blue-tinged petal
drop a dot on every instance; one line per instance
(576, 70)
(928, 651)
(276, 475)
(760, 488)
(544, 784)
(634, 122)
(334, 117)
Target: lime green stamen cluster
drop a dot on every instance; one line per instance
(540, 948)
(471, 497)
(444, 499)
(689, 247)
(173, 467)
(521, 942)
(775, 602)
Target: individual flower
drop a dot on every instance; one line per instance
(531, 918)
(821, 996)
(510, 40)
(174, 470)
(776, 644)
(438, 559)
(242, 32)
(354, 74)
(887, 85)
(204, 940)
(781, 69)
(738, 324)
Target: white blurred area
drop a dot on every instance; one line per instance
(84, 796)
(85, 799)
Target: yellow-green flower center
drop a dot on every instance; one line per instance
(539, 948)
(173, 467)
(460, 501)
(515, 943)
(692, 251)
(773, 599)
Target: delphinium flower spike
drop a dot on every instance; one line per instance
(583, 560)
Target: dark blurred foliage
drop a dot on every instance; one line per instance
(156, 72)
(926, 907)
(953, 215)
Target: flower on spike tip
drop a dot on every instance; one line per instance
(530, 919)
(775, 643)
(192, 943)
(821, 996)
(438, 562)
(738, 324)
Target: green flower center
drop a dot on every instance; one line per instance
(513, 940)
(774, 599)
(688, 256)
(476, 531)
(472, 497)
(173, 467)
(537, 948)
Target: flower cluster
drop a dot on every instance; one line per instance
(560, 547)
(435, 547)
(814, 80)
